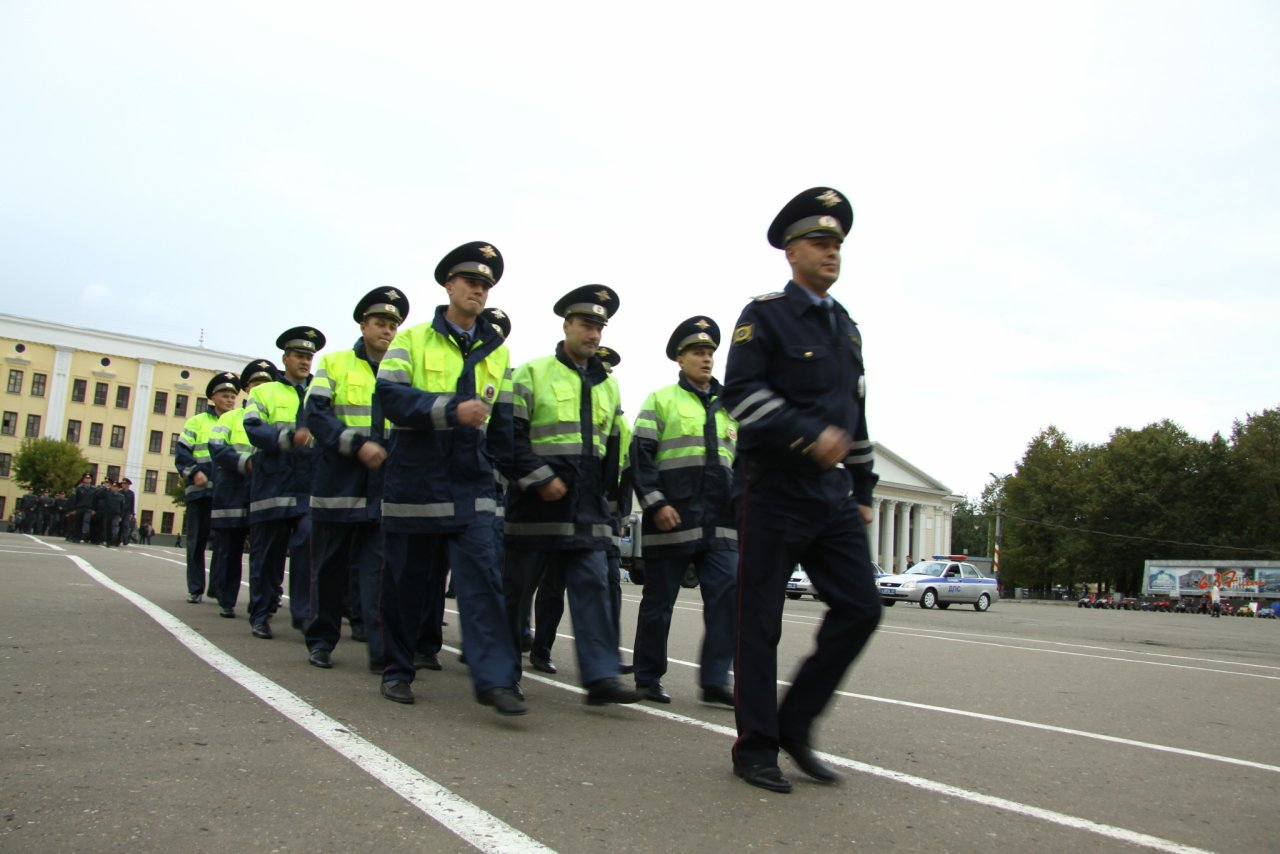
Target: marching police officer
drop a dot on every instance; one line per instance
(345, 417)
(193, 463)
(568, 457)
(446, 385)
(682, 463)
(280, 485)
(81, 505)
(795, 383)
(231, 453)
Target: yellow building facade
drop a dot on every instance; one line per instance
(123, 400)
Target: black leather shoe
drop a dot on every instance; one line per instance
(764, 776)
(377, 666)
(526, 643)
(427, 661)
(517, 690)
(717, 694)
(605, 691)
(504, 701)
(359, 635)
(626, 669)
(320, 658)
(655, 692)
(263, 630)
(398, 692)
(299, 624)
(194, 598)
(229, 613)
(808, 761)
(545, 665)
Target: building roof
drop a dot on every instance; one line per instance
(115, 344)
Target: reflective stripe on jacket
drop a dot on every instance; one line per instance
(230, 451)
(343, 413)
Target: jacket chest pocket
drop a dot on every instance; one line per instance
(692, 415)
(434, 371)
(565, 395)
(806, 367)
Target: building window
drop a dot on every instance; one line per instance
(166, 523)
(9, 426)
(38, 382)
(73, 432)
(145, 519)
(173, 444)
(6, 460)
(150, 480)
(162, 403)
(99, 394)
(156, 442)
(15, 381)
(95, 433)
(117, 436)
(93, 472)
(122, 397)
(171, 482)
(78, 390)
(180, 405)
(113, 473)
(33, 427)
(2, 501)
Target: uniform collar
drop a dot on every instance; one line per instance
(800, 299)
(713, 389)
(593, 371)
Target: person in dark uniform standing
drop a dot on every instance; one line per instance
(568, 452)
(796, 385)
(350, 430)
(81, 507)
(280, 485)
(446, 386)
(682, 462)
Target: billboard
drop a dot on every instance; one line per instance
(1235, 579)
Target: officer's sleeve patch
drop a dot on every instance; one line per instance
(743, 333)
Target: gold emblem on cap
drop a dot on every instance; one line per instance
(262, 365)
(827, 221)
(392, 295)
(483, 269)
(488, 251)
(702, 323)
(702, 336)
(830, 198)
(598, 309)
(310, 333)
(603, 295)
(497, 312)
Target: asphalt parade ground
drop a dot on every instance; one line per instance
(133, 721)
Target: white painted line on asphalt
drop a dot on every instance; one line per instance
(478, 828)
(26, 553)
(1074, 822)
(1218, 671)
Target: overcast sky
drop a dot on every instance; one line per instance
(1065, 213)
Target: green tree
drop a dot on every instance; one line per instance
(970, 529)
(1143, 501)
(1255, 473)
(48, 464)
(1043, 506)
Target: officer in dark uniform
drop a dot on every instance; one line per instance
(280, 485)
(129, 523)
(345, 417)
(682, 461)
(81, 506)
(795, 383)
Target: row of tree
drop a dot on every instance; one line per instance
(1076, 513)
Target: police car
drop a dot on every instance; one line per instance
(944, 581)
(799, 584)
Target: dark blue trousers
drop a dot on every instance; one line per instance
(224, 571)
(339, 552)
(584, 574)
(812, 520)
(718, 583)
(415, 569)
(197, 532)
(270, 542)
(549, 605)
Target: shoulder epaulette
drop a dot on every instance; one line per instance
(769, 296)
